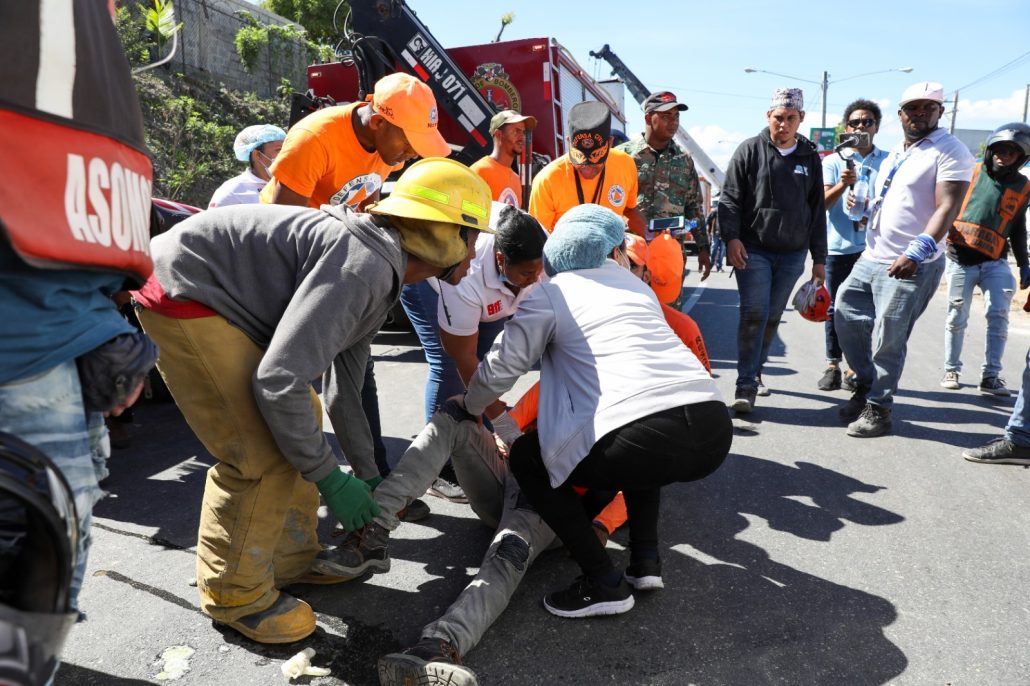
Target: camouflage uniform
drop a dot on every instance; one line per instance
(667, 185)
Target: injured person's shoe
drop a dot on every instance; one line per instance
(362, 551)
(287, 620)
(430, 661)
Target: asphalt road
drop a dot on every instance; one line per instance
(808, 558)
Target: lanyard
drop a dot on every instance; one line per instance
(597, 189)
(894, 170)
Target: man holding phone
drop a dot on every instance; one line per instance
(846, 238)
(771, 213)
(668, 190)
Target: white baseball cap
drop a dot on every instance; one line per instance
(924, 90)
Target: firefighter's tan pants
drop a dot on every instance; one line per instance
(258, 516)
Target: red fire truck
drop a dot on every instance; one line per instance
(535, 76)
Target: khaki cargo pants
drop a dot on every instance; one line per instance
(258, 516)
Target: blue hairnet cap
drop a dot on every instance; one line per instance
(255, 136)
(582, 239)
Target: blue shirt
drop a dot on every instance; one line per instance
(50, 316)
(841, 236)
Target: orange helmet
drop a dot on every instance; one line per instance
(665, 261)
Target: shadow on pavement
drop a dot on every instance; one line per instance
(81, 676)
(729, 613)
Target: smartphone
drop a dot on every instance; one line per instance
(673, 225)
(856, 139)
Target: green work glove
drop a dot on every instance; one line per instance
(373, 482)
(349, 499)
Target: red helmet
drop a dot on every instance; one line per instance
(813, 302)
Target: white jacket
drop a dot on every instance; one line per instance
(607, 356)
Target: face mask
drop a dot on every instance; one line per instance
(266, 167)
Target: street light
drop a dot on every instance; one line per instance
(825, 83)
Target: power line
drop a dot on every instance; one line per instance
(997, 72)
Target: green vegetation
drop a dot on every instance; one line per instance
(190, 124)
(277, 42)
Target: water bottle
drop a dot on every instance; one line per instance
(861, 195)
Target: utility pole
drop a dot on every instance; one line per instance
(954, 109)
(1026, 100)
(826, 85)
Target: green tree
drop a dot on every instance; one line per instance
(316, 16)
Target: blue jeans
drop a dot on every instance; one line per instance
(47, 411)
(764, 288)
(1018, 429)
(718, 253)
(875, 309)
(419, 301)
(998, 285)
(837, 269)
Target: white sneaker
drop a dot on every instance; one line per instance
(950, 381)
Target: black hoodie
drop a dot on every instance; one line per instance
(773, 201)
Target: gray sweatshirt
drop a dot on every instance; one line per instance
(306, 285)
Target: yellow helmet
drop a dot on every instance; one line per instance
(438, 189)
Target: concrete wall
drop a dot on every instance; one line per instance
(207, 47)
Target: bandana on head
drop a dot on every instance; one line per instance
(789, 98)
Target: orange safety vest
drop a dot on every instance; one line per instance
(989, 240)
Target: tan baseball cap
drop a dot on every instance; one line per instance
(408, 104)
(511, 117)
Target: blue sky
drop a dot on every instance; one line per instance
(700, 51)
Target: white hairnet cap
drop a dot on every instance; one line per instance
(253, 137)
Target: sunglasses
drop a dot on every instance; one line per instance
(855, 123)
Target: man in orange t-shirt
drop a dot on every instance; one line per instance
(342, 155)
(591, 172)
(508, 129)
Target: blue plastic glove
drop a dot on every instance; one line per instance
(349, 499)
(1024, 277)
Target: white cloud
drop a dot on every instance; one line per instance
(717, 142)
(988, 114)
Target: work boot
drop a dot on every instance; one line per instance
(316, 579)
(854, 406)
(874, 421)
(416, 511)
(286, 621)
(830, 380)
(362, 551)
(430, 661)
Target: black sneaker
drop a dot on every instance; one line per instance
(831, 379)
(847, 382)
(362, 551)
(744, 400)
(992, 385)
(589, 598)
(999, 451)
(762, 389)
(645, 575)
(430, 661)
(874, 421)
(854, 406)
